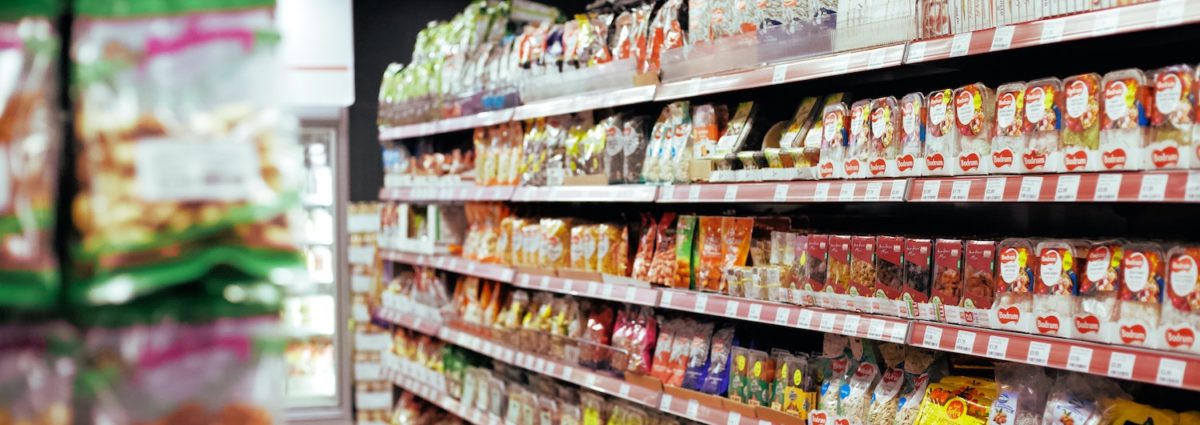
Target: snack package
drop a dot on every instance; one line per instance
(717, 378)
(705, 131)
(837, 279)
(583, 244)
(738, 130)
(911, 400)
(855, 399)
(918, 277)
(655, 148)
(889, 275)
(199, 168)
(1055, 287)
(761, 375)
(1041, 126)
(1181, 312)
(862, 267)
(698, 350)
(784, 362)
(38, 380)
(1079, 397)
(885, 143)
(974, 114)
(1022, 394)
(978, 287)
(613, 162)
(1012, 308)
(739, 374)
(1123, 411)
(911, 161)
(1123, 120)
(1096, 311)
(662, 266)
(612, 249)
(858, 144)
(829, 396)
(736, 235)
(679, 152)
(957, 400)
(941, 137)
(555, 249)
(636, 148)
(686, 252)
(709, 254)
(1172, 109)
(681, 350)
(659, 368)
(1009, 142)
(792, 142)
(946, 287)
(834, 135)
(1143, 273)
(644, 256)
(885, 400)
(1081, 130)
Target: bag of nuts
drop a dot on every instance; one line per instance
(186, 160)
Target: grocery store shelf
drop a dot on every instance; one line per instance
(1176, 370)
(585, 102)
(452, 264)
(410, 321)
(614, 193)
(1169, 186)
(695, 410)
(445, 125)
(794, 191)
(430, 385)
(1123, 19)
(589, 288)
(446, 193)
(785, 72)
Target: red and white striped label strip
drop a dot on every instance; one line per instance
(799, 191)
(592, 289)
(1177, 186)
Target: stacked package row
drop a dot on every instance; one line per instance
(362, 225)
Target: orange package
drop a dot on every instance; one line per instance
(556, 243)
(710, 254)
(612, 241)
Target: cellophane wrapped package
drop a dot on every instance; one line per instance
(1041, 126)
(911, 161)
(187, 160)
(1009, 142)
(1171, 110)
(833, 140)
(1081, 128)
(858, 145)
(1181, 307)
(37, 372)
(974, 115)
(1123, 120)
(1056, 287)
(941, 147)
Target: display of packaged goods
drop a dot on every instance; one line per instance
(889, 274)
(974, 115)
(1143, 272)
(1041, 126)
(858, 143)
(947, 274)
(1081, 132)
(815, 266)
(706, 130)
(1180, 318)
(1172, 112)
(1096, 314)
(1123, 119)
(978, 288)
(1010, 139)
(739, 130)
(941, 141)
(792, 143)
(834, 135)
(1056, 287)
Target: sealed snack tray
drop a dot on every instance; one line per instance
(1123, 120)
(1143, 273)
(1013, 303)
(911, 160)
(974, 114)
(858, 144)
(979, 274)
(885, 144)
(815, 263)
(941, 141)
(862, 266)
(1009, 143)
(1181, 309)
(1096, 311)
(1055, 287)
(918, 269)
(1172, 109)
(1080, 137)
(947, 282)
(837, 279)
(834, 134)
(889, 267)
(1041, 124)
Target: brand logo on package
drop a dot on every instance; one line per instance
(1113, 159)
(1010, 314)
(969, 161)
(1075, 160)
(818, 417)
(1047, 325)
(852, 167)
(1034, 160)
(905, 162)
(1087, 324)
(1183, 337)
(1133, 334)
(1165, 157)
(955, 409)
(878, 166)
(935, 162)
(1002, 158)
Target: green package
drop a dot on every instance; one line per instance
(685, 236)
(738, 374)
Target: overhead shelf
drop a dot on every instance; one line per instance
(793, 191)
(606, 193)
(641, 295)
(585, 102)
(452, 264)
(450, 193)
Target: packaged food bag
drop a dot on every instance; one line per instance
(858, 144)
(1041, 126)
(974, 115)
(941, 137)
(978, 288)
(1172, 109)
(835, 370)
(636, 147)
(1012, 308)
(739, 374)
(855, 399)
(1009, 142)
(1123, 120)
(885, 144)
(37, 371)
(1079, 397)
(815, 269)
(698, 350)
(1081, 130)
(918, 277)
(885, 399)
(889, 275)
(946, 288)
(1022, 394)
(1181, 312)
(1143, 273)
(716, 378)
(837, 279)
(862, 268)
(199, 167)
(911, 160)
(30, 140)
(655, 148)
(1055, 287)
(1096, 313)
(834, 135)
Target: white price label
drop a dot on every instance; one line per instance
(589, 380)
(821, 192)
(593, 288)
(540, 365)
(994, 190)
(960, 45)
(1031, 189)
(1170, 12)
(667, 296)
(568, 373)
(1002, 38)
(701, 303)
(664, 403)
(1170, 372)
(693, 409)
(875, 60)
(898, 189)
(1039, 353)
(731, 193)
(1108, 187)
(623, 390)
(827, 321)
(930, 190)
(755, 312)
(846, 193)
(1068, 188)
(607, 292)
(731, 308)
(840, 64)
(222, 170)
(850, 324)
(1154, 186)
(898, 333)
(997, 347)
(933, 337)
(780, 74)
(1191, 190)
(805, 318)
(964, 342)
(916, 52)
(782, 314)
(960, 190)
(630, 294)
(1052, 31)
(875, 329)
(545, 283)
(873, 190)
(1120, 365)
(470, 267)
(733, 418)
(1079, 359)
(693, 193)
(781, 192)
(1105, 23)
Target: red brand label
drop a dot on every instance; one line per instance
(842, 421)
(1180, 338)
(1087, 324)
(1165, 157)
(878, 166)
(1035, 159)
(1133, 334)
(969, 161)
(1010, 314)
(818, 418)
(852, 167)
(904, 162)
(1002, 158)
(935, 162)
(955, 409)
(1047, 325)
(826, 170)
(1113, 159)
(1075, 160)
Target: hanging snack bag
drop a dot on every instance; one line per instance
(654, 149)
(835, 122)
(1009, 142)
(815, 262)
(885, 144)
(583, 240)
(1022, 394)
(974, 113)
(862, 270)
(885, 400)
(947, 273)
(1123, 120)
(1081, 132)
(614, 149)
(698, 350)
(889, 275)
(716, 378)
(681, 349)
(941, 138)
(858, 144)
(1055, 287)
(1143, 273)
(555, 249)
(659, 368)
(644, 256)
(1096, 312)
(739, 374)
(612, 253)
(855, 399)
(736, 235)
(1013, 306)
(1172, 107)
(1181, 312)
(829, 397)
(686, 251)
(709, 254)
(1041, 124)
(758, 382)
(911, 160)
(680, 153)
(918, 272)
(200, 166)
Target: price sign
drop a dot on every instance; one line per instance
(1108, 187)
(780, 73)
(997, 347)
(1002, 38)
(960, 45)
(1031, 189)
(693, 409)
(850, 324)
(916, 52)
(1120, 365)
(960, 190)
(1068, 188)
(964, 342)
(821, 192)
(755, 312)
(693, 193)
(1039, 353)
(623, 390)
(898, 190)
(589, 380)
(1191, 190)
(1154, 186)
(1170, 372)
(827, 321)
(607, 292)
(733, 418)
(781, 192)
(666, 297)
(593, 288)
(1079, 359)
(701, 303)
(933, 337)
(875, 329)
(545, 283)
(1052, 31)
(1170, 12)
(930, 190)
(840, 64)
(782, 314)
(1105, 23)
(731, 193)
(731, 308)
(568, 373)
(664, 403)
(873, 190)
(846, 193)
(630, 294)
(875, 60)
(805, 319)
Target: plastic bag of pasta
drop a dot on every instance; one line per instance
(29, 150)
(36, 372)
(187, 160)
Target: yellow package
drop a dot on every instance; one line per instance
(583, 248)
(958, 401)
(504, 240)
(1123, 412)
(611, 244)
(1189, 417)
(556, 243)
(532, 241)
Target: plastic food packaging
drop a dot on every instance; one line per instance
(911, 159)
(739, 374)
(698, 350)
(1009, 143)
(612, 249)
(1078, 397)
(1143, 272)
(946, 287)
(555, 249)
(716, 378)
(655, 148)
(834, 135)
(837, 280)
(974, 114)
(38, 381)
(1041, 126)
(709, 254)
(1181, 312)
(918, 273)
(614, 149)
(856, 394)
(644, 255)
(636, 147)
(681, 350)
(738, 130)
(1012, 308)
(815, 263)
(957, 400)
(662, 266)
(192, 172)
(705, 131)
(941, 137)
(791, 143)
(1022, 394)
(889, 271)
(1055, 287)
(829, 397)
(1096, 312)
(979, 275)
(1172, 110)
(885, 142)
(736, 235)
(911, 400)
(858, 144)
(686, 265)
(1081, 132)
(680, 149)
(761, 375)
(784, 362)
(583, 247)
(659, 368)
(862, 266)
(1123, 120)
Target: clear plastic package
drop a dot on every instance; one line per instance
(1172, 109)
(974, 114)
(1080, 139)
(858, 144)
(1041, 125)
(1096, 312)
(941, 141)
(911, 160)
(1123, 120)
(885, 144)
(834, 136)
(1009, 142)
(1143, 273)
(1056, 287)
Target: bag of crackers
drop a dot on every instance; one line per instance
(187, 160)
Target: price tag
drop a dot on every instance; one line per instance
(846, 194)
(873, 190)
(1039, 353)
(898, 333)
(1191, 190)
(1031, 189)
(960, 190)
(1120, 365)
(630, 294)
(593, 288)
(827, 321)
(731, 308)
(898, 189)
(840, 64)
(693, 409)
(1170, 12)
(755, 312)
(664, 403)
(875, 60)
(608, 292)
(589, 380)
(476, 417)
(997, 347)
(1079, 359)
(623, 390)
(731, 193)
(666, 297)
(960, 45)
(875, 329)
(933, 337)
(539, 365)
(916, 52)
(781, 192)
(782, 314)
(850, 324)
(821, 192)
(1068, 188)
(805, 319)
(545, 283)
(693, 193)
(780, 73)
(1002, 38)
(1105, 23)
(1052, 31)
(1108, 187)
(470, 267)
(1154, 186)
(964, 342)
(1170, 372)
(930, 189)
(733, 418)
(701, 303)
